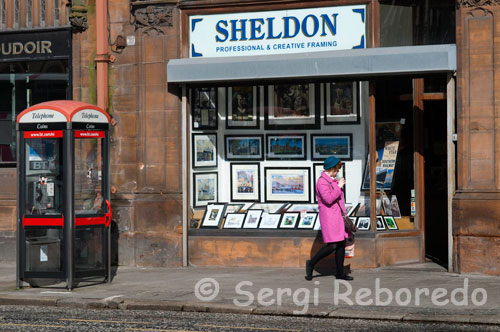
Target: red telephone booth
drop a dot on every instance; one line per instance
(63, 212)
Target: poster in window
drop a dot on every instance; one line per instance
(205, 188)
(204, 150)
(242, 110)
(286, 147)
(338, 145)
(245, 182)
(287, 184)
(244, 148)
(204, 110)
(213, 215)
(341, 103)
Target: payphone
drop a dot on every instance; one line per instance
(63, 207)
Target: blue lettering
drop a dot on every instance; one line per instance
(235, 30)
(315, 25)
(270, 29)
(331, 26)
(222, 31)
(287, 26)
(254, 28)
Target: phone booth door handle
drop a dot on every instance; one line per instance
(108, 214)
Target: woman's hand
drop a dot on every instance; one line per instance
(341, 183)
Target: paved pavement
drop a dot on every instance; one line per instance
(419, 292)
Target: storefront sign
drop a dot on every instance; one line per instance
(35, 45)
(277, 32)
(43, 116)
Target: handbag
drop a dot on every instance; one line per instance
(349, 225)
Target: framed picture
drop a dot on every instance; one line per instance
(205, 188)
(252, 219)
(234, 220)
(242, 107)
(245, 182)
(204, 152)
(289, 219)
(244, 148)
(204, 112)
(233, 208)
(318, 169)
(380, 223)
(287, 184)
(307, 220)
(286, 147)
(341, 103)
(268, 207)
(270, 220)
(303, 208)
(213, 215)
(338, 145)
(396, 212)
(292, 106)
(363, 207)
(363, 223)
(391, 223)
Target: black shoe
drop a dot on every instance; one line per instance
(345, 277)
(309, 270)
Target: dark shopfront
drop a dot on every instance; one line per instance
(400, 97)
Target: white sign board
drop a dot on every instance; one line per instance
(89, 115)
(277, 32)
(43, 115)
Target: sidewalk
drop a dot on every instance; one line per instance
(278, 291)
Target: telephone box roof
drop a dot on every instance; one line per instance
(63, 111)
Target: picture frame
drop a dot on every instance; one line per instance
(244, 148)
(205, 188)
(326, 145)
(391, 223)
(318, 169)
(233, 208)
(245, 182)
(292, 106)
(363, 207)
(252, 218)
(303, 208)
(270, 220)
(268, 207)
(286, 147)
(307, 220)
(234, 220)
(396, 212)
(287, 184)
(289, 219)
(242, 111)
(380, 223)
(342, 103)
(204, 150)
(363, 224)
(213, 215)
(204, 108)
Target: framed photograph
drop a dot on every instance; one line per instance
(292, 106)
(245, 182)
(213, 215)
(286, 147)
(318, 169)
(268, 207)
(244, 148)
(363, 223)
(205, 188)
(307, 220)
(270, 220)
(338, 145)
(233, 208)
(341, 103)
(234, 220)
(252, 219)
(289, 219)
(242, 107)
(287, 184)
(380, 223)
(391, 223)
(396, 212)
(303, 208)
(363, 208)
(204, 111)
(204, 152)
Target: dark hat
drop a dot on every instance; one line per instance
(331, 162)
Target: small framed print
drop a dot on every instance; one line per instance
(234, 220)
(380, 223)
(233, 208)
(292, 106)
(242, 107)
(354, 220)
(270, 220)
(303, 208)
(204, 110)
(287, 184)
(252, 219)
(307, 220)
(245, 182)
(204, 152)
(244, 148)
(205, 188)
(286, 147)
(289, 219)
(213, 215)
(341, 103)
(338, 145)
(391, 223)
(364, 223)
(268, 207)
(318, 169)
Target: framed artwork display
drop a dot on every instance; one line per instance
(244, 148)
(380, 223)
(234, 220)
(318, 169)
(213, 215)
(252, 218)
(245, 182)
(292, 106)
(289, 219)
(391, 223)
(363, 223)
(233, 208)
(270, 220)
(286, 147)
(307, 220)
(205, 188)
(204, 112)
(363, 207)
(303, 208)
(204, 152)
(287, 184)
(341, 103)
(268, 207)
(242, 107)
(338, 145)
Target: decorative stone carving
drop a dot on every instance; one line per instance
(477, 3)
(78, 15)
(151, 17)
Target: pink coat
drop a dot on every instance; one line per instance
(328, 194)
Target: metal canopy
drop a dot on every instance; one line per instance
(368, 62)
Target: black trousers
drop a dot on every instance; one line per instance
(339, 248)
